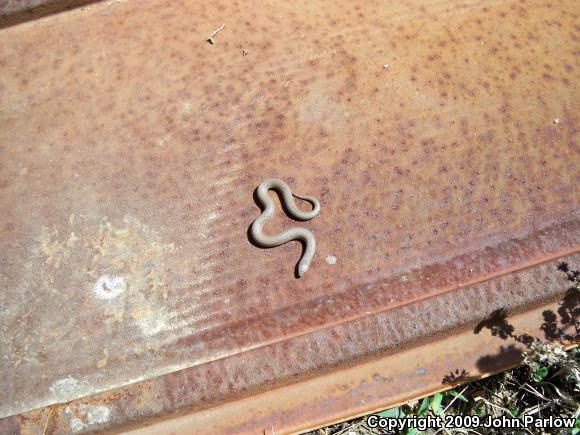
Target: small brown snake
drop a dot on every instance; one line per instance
(293, 211)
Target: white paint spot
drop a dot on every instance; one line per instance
(331, 259)
(84, 416)
(64, 386)
(109, 287)
(403, 278)
(186, 107)
(556, 121)
(65, 389)
(385, 66)
(77, 424)
(98, 414)
(162, 141)
(212, 216)
(420, 372)
(151, 325)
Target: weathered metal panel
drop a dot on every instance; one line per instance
(13, 12)
(357, 390)
(11, 7)
(440, 138)
(411, 364)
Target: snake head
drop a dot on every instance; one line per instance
(302, 268)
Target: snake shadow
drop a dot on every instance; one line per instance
(285, 209)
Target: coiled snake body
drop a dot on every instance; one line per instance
(295, 233)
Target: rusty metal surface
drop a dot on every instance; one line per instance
(287, 368)
(360, 390)
(441, 140)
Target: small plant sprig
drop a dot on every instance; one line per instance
(573, 275)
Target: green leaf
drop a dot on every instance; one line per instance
(539, 373)
(514, 411)
(479, 409)
(436, 403)
(459, 396)
(392, 413)
(576, 429)
(424, 406)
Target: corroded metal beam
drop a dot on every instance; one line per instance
(440, 138)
